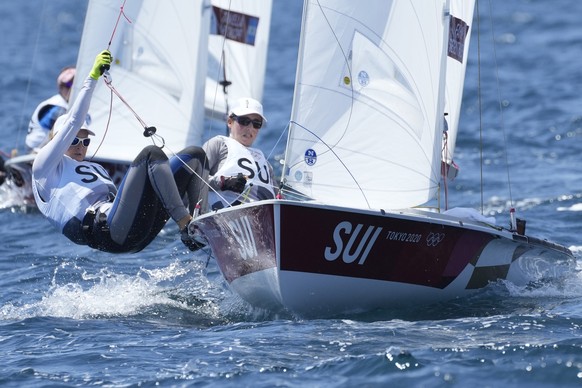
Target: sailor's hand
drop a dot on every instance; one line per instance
(102, 62)
(234, 183)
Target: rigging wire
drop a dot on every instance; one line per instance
(104, 71)
(501, 117)
(222, 67)
(149, 131)
(480, 102)
(28, 84)
(117, 23)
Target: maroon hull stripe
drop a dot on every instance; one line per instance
(376, 247)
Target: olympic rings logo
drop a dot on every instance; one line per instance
(433, 239)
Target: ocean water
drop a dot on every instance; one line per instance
(71, 316)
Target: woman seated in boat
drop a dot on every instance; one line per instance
(79, 196)
(238, 172)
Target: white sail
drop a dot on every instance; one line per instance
(237, 53)
(159, 68)
(366, 125)
(458, 53)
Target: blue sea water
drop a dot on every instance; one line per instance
(71, 316)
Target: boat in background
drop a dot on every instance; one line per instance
(377, 98)
(164, 54)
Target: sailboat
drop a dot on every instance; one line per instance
(167, 56)
(377, 97)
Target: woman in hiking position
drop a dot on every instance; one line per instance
(79, 196)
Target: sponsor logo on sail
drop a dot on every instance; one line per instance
(363, 78)
(310, 157)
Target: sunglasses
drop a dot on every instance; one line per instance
(244, 121)
(85, 141)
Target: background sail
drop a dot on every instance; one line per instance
(240, 31)
(366, 124)
(461, 26)
(160, 62)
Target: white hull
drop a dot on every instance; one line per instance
(302, 257)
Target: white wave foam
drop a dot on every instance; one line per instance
(106, 294)
(577, 207)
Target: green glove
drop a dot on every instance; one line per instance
(101, 64)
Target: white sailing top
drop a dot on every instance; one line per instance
(63, 188)
(227, 157)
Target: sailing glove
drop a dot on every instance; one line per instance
(234, 183)
(190, 241)
(102, 62)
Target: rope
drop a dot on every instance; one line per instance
(480, 102)
(117, 23)
(501, 118)
(108, 81)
